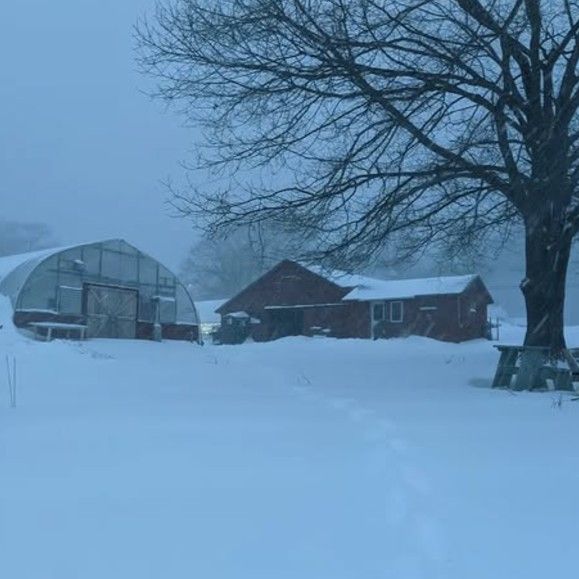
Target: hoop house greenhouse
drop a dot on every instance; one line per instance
(109, 289)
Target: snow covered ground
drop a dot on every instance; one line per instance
(302, 458)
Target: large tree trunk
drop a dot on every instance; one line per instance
(547, 248)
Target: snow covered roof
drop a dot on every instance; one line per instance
(376, 289)
(340, 278)
(239, 315)
(367, 289)
(28, 261)
(15, 269)
(10, 262)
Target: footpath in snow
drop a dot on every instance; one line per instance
(302, 458)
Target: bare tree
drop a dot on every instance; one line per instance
(219, 267)
(371, 118)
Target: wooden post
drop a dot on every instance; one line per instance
(506, 368)
(530, 375)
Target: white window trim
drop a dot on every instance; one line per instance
(401, 320)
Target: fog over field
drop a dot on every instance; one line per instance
(262, 266)
(84, 150)
(81, 147)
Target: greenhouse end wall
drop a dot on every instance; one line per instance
(108, 286)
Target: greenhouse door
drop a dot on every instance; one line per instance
(111, 312)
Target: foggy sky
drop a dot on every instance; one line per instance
(84, 150)
(81, 148)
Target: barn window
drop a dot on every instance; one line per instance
(396, 312)
(378, 313)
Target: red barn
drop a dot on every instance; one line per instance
(292, 299)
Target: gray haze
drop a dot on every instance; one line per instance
(81, 148)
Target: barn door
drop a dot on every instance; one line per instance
(111, 312)
(288, 322)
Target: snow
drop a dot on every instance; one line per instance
(206, 310)
(57, 325)
(375, 289)
(368, 288)
(9, 263)
(238, 315)
(497, 311)
(15, 269)
(301, 458)
(166, 299)
(302, 306)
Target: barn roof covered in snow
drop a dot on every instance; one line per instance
(376, 289)
(368, 289)
(285, 285)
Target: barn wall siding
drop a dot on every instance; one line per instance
(441, 317)
(318, 304)
(349, 321)
(287, 284)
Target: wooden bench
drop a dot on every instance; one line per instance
(48, 329)
(529, 368)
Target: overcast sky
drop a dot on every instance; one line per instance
(81, 148)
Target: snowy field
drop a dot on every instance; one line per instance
(302, 459)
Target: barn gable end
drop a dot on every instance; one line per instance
(286, 284)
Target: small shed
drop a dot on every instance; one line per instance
(292, 299)
(236, 328)
(109, 288)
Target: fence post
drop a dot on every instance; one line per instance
(11, 375)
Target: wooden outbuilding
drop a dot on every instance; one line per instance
(292, 299)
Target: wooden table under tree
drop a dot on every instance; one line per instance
(533, 367)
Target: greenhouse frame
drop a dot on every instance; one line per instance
(109, 288)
